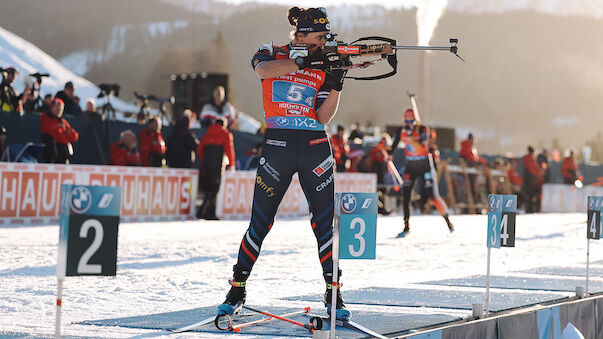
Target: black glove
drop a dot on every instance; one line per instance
(335, 77)
(315, 61)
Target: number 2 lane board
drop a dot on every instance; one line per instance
(88, 230)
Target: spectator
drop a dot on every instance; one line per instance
(569, 169)
(57, 134)
(514, 177)
(91, 111)
(532, 181)
(341, 149)
(3, 136)
(46, 103)
(379, 157)
(28, 100)
(469, 152)
(214, 145)
(151, 144)
(357, 133)
(217, 108)
(250, 163)
(181, 144)
(543, 162)
(124, 152)
(9, 97)
(68, 97)
(472, 159)
(515, 181)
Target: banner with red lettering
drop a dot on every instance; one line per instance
(30, 193)
(236, 193)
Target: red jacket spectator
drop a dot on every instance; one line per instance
(569, 169)
(151, 144)
(58, 128)
(121, 155)
(218, 135)
(531, 165)
(514, 177)
(469, 152)
(341, 149)
(379, 153)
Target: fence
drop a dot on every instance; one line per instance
(30, 193)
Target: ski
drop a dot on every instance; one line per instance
(351, 325)
(193, 326)
(201, 323)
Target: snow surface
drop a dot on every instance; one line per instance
(27, 58)
(183, 265)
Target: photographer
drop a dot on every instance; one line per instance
(57, 134)
(67, 95)
(9, 97)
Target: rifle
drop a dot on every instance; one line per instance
(386, 50)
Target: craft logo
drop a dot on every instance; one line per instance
(323, 167)
(81, 199)
(318, 141)
(367, 203)
(348, 49)
(325, 183)
(262, 160)
(348, 203)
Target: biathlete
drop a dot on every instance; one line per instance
(419, 163)
(299, 98)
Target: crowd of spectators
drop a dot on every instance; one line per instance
(215, 150)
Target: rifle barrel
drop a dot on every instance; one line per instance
(424, 48)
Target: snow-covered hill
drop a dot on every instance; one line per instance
(27, 59)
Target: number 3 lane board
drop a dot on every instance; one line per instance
(357, 215)
(88, 230)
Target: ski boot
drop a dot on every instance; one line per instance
(235, 299)
(405, 231)
(340, 312)
(450, 227)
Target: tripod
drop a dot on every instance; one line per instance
(107, 111)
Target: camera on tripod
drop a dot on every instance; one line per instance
(145, 110)
(39, 76)
(108, 90)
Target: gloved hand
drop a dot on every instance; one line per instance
(335, 77)
(316, 61)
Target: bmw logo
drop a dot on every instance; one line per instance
(492, 203)
(348, 203)
(282, 121)
(262, 161)
(81, 199)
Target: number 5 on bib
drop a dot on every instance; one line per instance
(357, 225)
